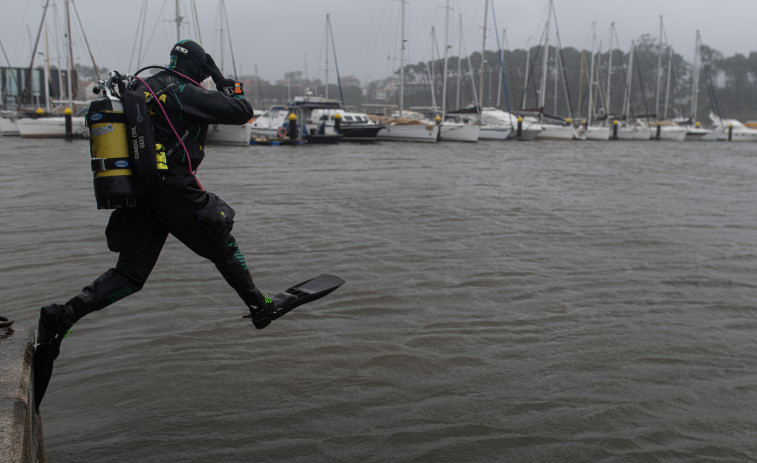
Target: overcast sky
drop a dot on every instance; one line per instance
(289, 35)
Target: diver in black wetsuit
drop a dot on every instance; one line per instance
(199, 219)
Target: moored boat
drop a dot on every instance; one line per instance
(222, 134)
(412, 126)
(8, 124)
(48, 126)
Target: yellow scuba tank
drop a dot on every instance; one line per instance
(122, 144)
(111, 163)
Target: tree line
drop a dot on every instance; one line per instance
(726, 84)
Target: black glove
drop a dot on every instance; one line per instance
(230, 87)
(215, 73)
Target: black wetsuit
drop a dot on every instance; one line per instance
(199, 219)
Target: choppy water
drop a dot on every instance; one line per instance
(504, 302)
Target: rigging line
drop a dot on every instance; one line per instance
(470, 72)
(228, 34)
(563, 69)
(336, 63)
(640, 74)
(34, 52)
(86, 42)
(141, 24)
(154, 29)
(197, 27)
(13, 74)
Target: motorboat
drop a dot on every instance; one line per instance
(353, 126)
(731, 130)
(223, 134)
(270, 124)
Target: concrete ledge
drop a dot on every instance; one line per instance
(20, 425)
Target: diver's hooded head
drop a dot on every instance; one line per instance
(189, 58)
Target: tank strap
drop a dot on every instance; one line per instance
(111, 116)
(101, 164)
(162, 91)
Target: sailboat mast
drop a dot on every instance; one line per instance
(432, 70)
(609, 69)
(460, 61)
(629, 83)
(695, 77)
(591, 72)
(327, 55)
(545, 62)
(501, 60)
(446, 56)
(72, 82)
(220, 37)
(525, 79)
(659, 73)
(483, 50)
(667, 84)
(47, 73)
(402, 58)
(179, 18)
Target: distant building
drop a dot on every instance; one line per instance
(13, 81)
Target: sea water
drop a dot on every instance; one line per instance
(519, 301)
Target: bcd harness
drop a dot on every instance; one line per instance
(126, 161)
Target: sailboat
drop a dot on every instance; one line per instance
(43, 125)
(694, 130)
(666, 129)
(554, 128)
(405, 125)
(454, 126)
(630, 128)
(222, 134)
(594, 132)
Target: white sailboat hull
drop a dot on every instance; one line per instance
(495, 133)
(597, 133)
(634, 133)
(672, 133)
(557, 132)
(420, 132)
(454, 131)
(48, 127)
(8, 127)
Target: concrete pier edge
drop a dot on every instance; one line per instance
(21, 439)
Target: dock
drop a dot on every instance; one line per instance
(21, 438)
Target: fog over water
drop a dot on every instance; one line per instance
(278, 37)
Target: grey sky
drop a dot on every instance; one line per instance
(282, 36)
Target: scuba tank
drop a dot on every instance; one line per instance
(122, 145)
(111, 165)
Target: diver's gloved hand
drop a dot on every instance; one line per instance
(230, 87)
(215, 73)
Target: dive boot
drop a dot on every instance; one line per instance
(262, 316)
(54, 322)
